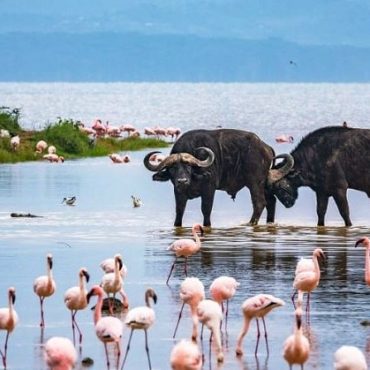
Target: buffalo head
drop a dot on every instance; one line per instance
(285, 187)
(181, 168)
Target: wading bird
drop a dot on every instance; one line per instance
(8, 321)
(349, 358)
(191, 293)
(210, 314)
(44, 286)
(75, 300)
(297, 347)
(108, 329)
(60, 354)
(307, 275)
(186, 356)
(222, 289)
(186, 248)
(136, 202)
(70, 201)
(143, 318)
(366, 243)
(256, 307)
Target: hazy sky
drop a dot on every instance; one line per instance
(304, 21)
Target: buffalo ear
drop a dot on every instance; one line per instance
(161, 176)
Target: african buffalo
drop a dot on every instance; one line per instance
(329, 160)
(203, 161)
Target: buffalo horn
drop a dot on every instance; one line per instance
(190, 159)
(277, 174)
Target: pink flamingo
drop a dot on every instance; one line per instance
(53, 158)
(349, 358)
(116, 158)
(8, 321)
(112, 283)
(44, 286)
(284, 139)
(191, 293)
(41, 146)
(366, 243)
(297, 347)
(160, 131)
(60, 354)
(108, 329)
(99, 127)
(173, 132)
(143, 318)
(75, 299)
(186, 356)
(210, 314)
(15, 142)
(307, 275)
(128, 128)
(256, 307)
(108, 265)
(149, 131)
(186, 247)
(222, 289)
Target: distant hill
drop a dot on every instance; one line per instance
(137, 57)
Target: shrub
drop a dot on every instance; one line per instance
(9, 120)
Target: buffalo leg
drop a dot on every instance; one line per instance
(270, 207)
(341, 201)
(259, 203)
(181, 201)
(322, 206)
(207, 204)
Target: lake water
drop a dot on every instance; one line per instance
(103, 223)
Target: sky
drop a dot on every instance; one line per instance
(309, 22)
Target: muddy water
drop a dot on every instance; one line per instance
(103, 222)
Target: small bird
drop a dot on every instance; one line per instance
(307, 275)
(366, 243)
(256, 307)
(136, 202)
(191, 293)
(222, 289)
(210, 315)
(60, 354)
(186, 356)
(186, 247)
(108, 329)
(44, 286)
(8, 321)
(143, 318)
(349, 358)
(75, 300)
(69, 201)
(297, 347)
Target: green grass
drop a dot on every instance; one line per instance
(65, 135)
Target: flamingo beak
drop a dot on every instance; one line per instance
(89, 295)
(87, 275)
(359, 241)
(50, 262)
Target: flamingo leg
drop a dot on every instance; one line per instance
(178, 320)
(106, 354)
(3, 358)
(77, 327)
(186, 266)
(127, 349)
(258, 337)
(201, 333)
(5, 349)
(172, 267)
(267, 343)
(118, 345)
(227, 313)
(147, 349)
(73, 328)
(124, 299)
(293, 297)
(42, 323)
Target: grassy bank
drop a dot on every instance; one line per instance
(66, 137)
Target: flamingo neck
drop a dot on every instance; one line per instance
(197, 239)
(98, 308)
(11, 308)
(147, 302)
(82, 285)
(367, 265)
(317, 266)
(117, 274)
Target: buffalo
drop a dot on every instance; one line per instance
(203, 161)
(329, 160)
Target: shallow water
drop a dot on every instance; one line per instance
(103, 222)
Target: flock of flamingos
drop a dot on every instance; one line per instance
(60, 352)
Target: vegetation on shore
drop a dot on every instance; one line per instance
(66, 136)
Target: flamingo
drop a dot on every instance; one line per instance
(107, 265)
(60, 354)
(142, 317)
(108, 329)
(186, 356)
(349, 358)
(366, 243)
(191, 293)
(53, 158)
(44, 286)
(8, 321)
(52, 149)
(112, 282)
(307, 275)
(116, 158)
(41, 145)
(296, 346)
(149, 131)
(222, 289)
(256, 307)
(128, 128)
(284, 139)
(186, 247)
(210, 314)
(75, 299)
(14, 142)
